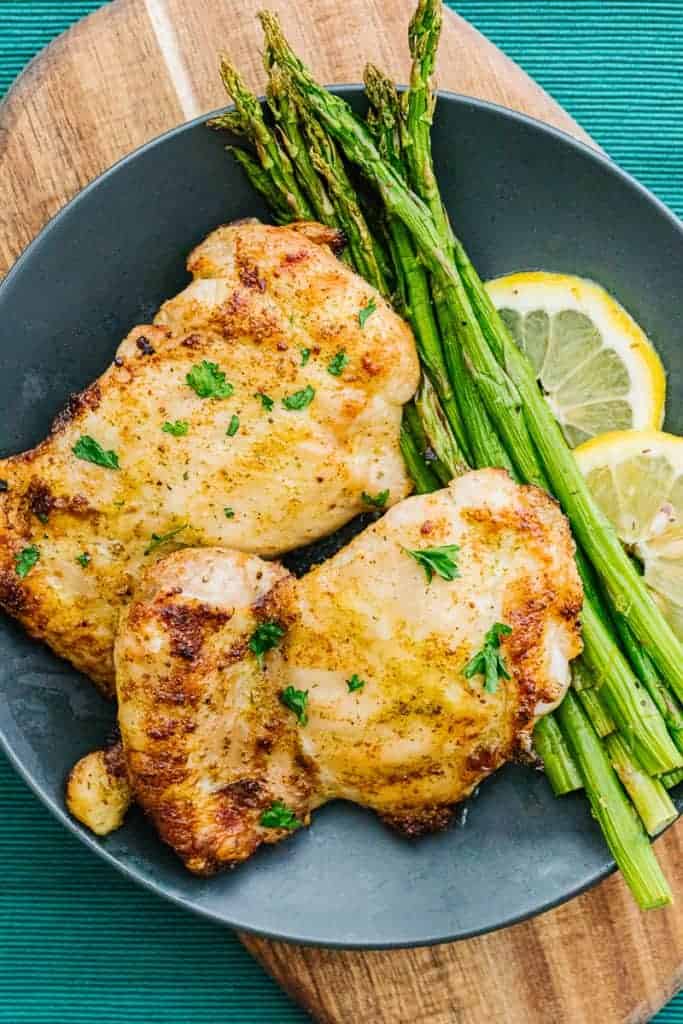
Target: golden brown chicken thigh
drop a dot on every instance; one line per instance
(248, 698)
(254, 414)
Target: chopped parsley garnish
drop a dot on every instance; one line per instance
(437, 560)
(25, 560)
(229, 512)
(305, 355)
(300, 399)
(178, 428)
(83, 560)
(264, 638)
(279, 815)
(90, 450)
(355, 683)
(266, 401)
(378, 500)
(233, 426)
(42, 517)
(163, 538)
(366, 312)
(338, 363)
(207, 381)
(296, 701)
(489, 662)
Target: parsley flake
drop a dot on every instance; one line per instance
(229, 512)
(355, 683)
(437, 560)
(266, 401)
(279, 815)
(378, 500)
(178, 428)
(264, 638)
(207, 381)
(296, 701)
(163, 538)
(90, 450)
(338, 363)
(366, 312)
(489, 662)
(42, 517)
(233, 426)
(305, 355)
(25, 560)
(300, 399)
(83, 560)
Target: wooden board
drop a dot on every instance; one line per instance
(120, 77)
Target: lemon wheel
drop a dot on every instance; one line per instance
(637, 479)
(597, 368)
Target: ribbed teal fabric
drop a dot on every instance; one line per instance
(78, 943)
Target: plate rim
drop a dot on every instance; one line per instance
(58, 810)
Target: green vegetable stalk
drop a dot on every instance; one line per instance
(558, 763)
(619, 822)
(648, 795)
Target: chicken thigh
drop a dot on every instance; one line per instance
(398, 674)
(259, 412)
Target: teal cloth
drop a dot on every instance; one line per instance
(78, 943)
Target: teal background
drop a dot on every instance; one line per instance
(78, 943)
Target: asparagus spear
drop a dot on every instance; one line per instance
(600, 718)
(648, 795)
(412, 420)
(274, 160)
(263, 183)
(424, 32)
(423, 40)
(667, 704)
(437, 430)
(620, 825)
(361, 247)
(558, 763)
(284, 113)
(230, 121)
(385, 118)
(327, 161)
(260, 178)
(626, 700)
(423, 477)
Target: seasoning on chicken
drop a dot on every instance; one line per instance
(398, 674)
(254, 414)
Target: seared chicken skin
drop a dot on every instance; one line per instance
(253, 414)
(248, 698)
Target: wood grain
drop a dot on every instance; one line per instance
(134, 69)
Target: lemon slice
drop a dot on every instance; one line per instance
(636, 478)
(596, 366)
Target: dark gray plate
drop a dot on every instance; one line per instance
(521, 196)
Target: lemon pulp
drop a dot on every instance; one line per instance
(596, 366)
(636, 478)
